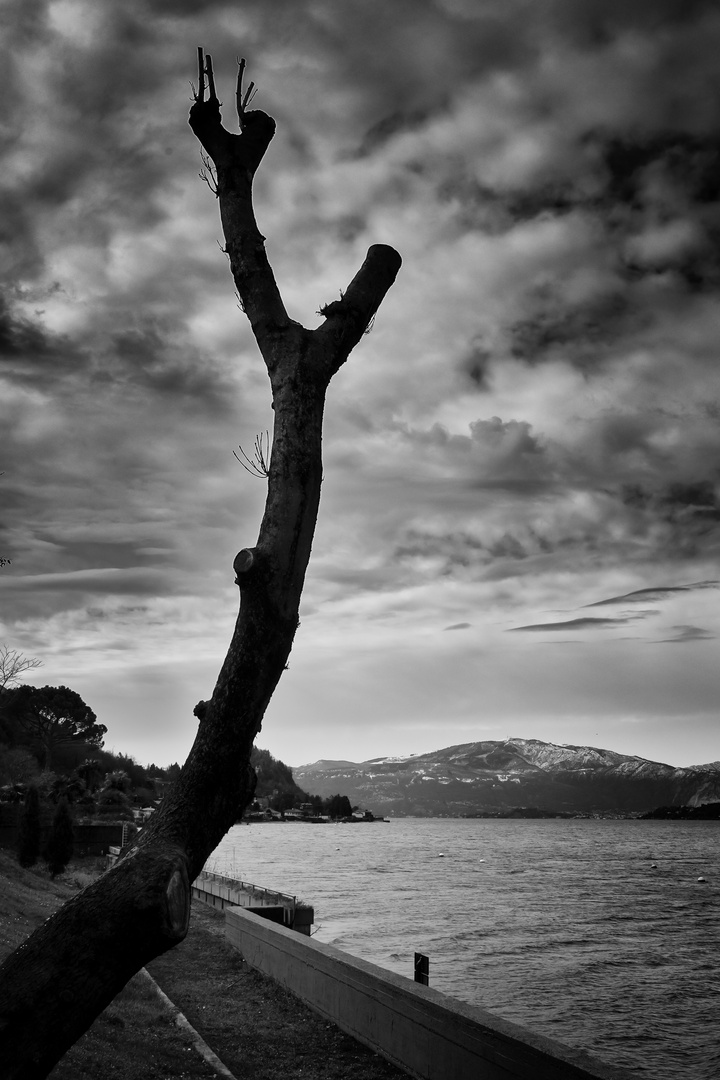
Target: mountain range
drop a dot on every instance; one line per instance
(496, 777)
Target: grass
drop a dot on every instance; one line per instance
(136, 1036)
(257, 1029)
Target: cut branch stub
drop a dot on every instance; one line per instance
(347, 319)
(177, 904)
(243, 562)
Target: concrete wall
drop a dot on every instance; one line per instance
(431, 1036)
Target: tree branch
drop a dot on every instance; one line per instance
(13, 664)
(236, 159)
(210, 78)
(347, 319)
(239, 92)
(200, 96)
(243, 100)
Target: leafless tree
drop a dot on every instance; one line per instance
(61, 978)
(13, 664)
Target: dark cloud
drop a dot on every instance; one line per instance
(92, 554)
(656, 592)
(30, 354)
(475, 364)
(579, 332)
(21, 337)
(117, 611)
(148, 354)
(684, 516)
(387, 128)
(687, 633)
(514, 436)
(152, 354)
(664, 198)
(667, 171)
(180, 8)
(698, 501)
(450, 551)
(593, 24)
(654, 202)
(107, 580)
(425, 51)
(21, 255)
(574, 624)
(125, 63)
(496, 454)
(81, 135)
(467, 554)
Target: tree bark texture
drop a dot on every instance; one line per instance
(55, 984)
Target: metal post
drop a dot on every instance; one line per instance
(422, 969)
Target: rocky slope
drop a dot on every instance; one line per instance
(497, 777)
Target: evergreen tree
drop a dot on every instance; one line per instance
(338, 806)
(29, 831)
(61, 842)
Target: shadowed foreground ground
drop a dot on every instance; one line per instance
(257, 1029)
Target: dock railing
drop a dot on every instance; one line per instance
(221, 892)
(257, 895)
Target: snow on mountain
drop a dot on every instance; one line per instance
(497, 777)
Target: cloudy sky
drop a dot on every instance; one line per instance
(520, 524)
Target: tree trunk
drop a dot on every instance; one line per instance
(55, 984)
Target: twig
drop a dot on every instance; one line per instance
(208, 174)
(243, 100)
(210, 77)
(259, 464)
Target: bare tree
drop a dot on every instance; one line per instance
(13, 664)
(61, 978)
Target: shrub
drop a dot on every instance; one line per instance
(28, 843)
(17, 765)
(114, 804)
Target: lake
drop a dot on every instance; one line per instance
(597, 933)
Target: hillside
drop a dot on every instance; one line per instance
(497, 777)
(274, 777)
